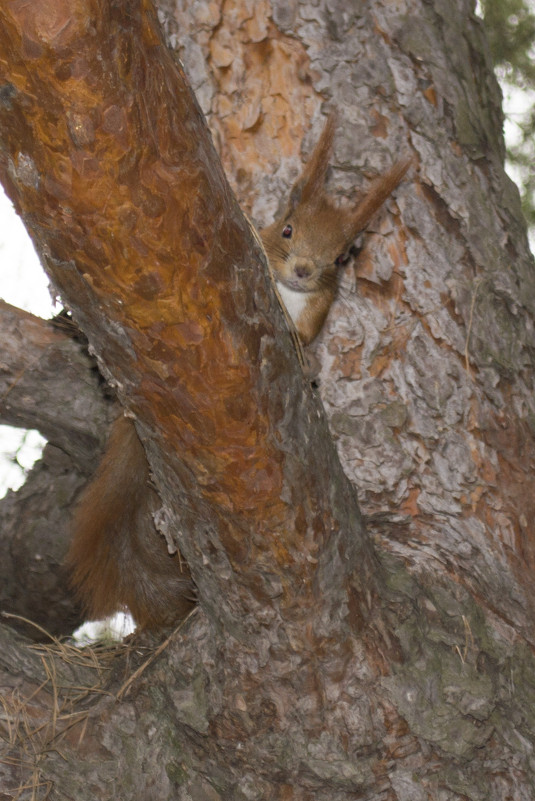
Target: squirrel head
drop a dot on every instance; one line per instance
(311, 239)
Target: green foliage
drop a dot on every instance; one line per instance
(510, 28)
(511, 32)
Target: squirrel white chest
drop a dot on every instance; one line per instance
(295, 302)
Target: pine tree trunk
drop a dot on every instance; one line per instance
(326, 659)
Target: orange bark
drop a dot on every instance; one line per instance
(105, 154)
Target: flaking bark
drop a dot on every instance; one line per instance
(302, 675)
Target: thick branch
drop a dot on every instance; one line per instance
(107, 158)
(48, 382)
(295, 716)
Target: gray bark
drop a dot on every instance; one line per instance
(425, 691)
(47, 382)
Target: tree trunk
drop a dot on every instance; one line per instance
(323, 660)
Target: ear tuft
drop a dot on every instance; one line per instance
(380, 189)
(312, 179)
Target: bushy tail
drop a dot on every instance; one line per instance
(117, 558)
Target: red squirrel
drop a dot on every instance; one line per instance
(117, 558)
(309, 243)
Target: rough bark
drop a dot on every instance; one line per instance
(48, 382)
(190, 341)
(312, 668)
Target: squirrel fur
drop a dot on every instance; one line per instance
(309, 243)
(117, 558)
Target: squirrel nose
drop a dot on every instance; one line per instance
(302, 271)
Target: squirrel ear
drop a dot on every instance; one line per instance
(379, 190)
(295, 195)
(312, 179)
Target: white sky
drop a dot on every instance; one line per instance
(22, 281)
(24, 284)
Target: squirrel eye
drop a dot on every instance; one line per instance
(343, 258)
(287, 231)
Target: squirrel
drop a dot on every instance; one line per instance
(117, 559)
(309, 243)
